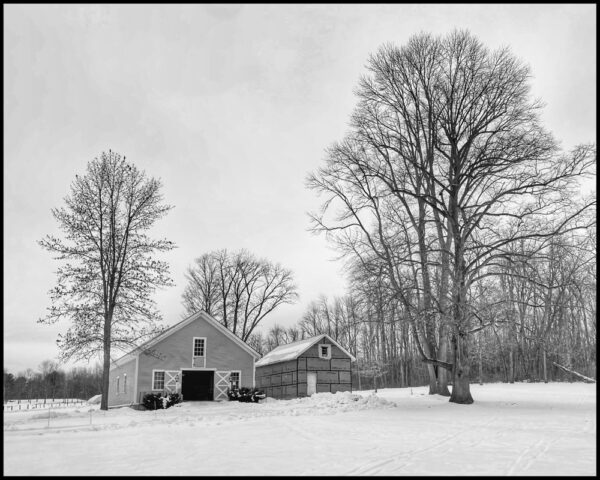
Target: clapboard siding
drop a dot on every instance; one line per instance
(172, 351)
(176, 353)
(125, 395)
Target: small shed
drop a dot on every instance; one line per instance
(299, 369)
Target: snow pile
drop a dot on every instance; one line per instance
(51, 414)
(318, 404)
(95, 399)
(347, 401)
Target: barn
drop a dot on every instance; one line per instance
(299, 369)
(197, 357)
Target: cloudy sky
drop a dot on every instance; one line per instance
(231, 106)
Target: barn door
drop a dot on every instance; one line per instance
(221, 385)
(311, 383)
(172, 381)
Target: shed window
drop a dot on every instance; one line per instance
(234, 380)
(198, 347)
(158, 380)
(325, 351)
(117, 385)
(124, 383)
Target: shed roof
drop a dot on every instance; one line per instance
(291, 351)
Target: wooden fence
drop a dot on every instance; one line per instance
(41, 404)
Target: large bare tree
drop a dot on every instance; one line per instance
(445, 166)
(111, 271)
(238, 289)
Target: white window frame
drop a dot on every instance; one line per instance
(164, 376)
(194, 347)
(239, 372)
(328, 356)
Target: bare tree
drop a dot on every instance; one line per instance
(238, 289)
(202, 292)
(105, 286)
(445, 167)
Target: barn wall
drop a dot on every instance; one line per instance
(287, 380)
(333, 375)
(278, 380)
(125, 394)
(176, 350)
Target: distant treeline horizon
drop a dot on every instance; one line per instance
(52, 381)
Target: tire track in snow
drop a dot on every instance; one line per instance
(375, 467)
(529, 456)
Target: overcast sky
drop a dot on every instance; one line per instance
(231, 107)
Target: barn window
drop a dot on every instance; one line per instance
(234, 380)
(117, 385)
(199, 344)
(325, 351)
(158, 380)
(124, 383)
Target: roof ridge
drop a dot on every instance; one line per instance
(199, 314)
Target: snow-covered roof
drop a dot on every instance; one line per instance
(291, 351)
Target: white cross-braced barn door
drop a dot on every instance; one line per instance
(221, 385)
(172, 381)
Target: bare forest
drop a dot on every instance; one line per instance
(469, 248)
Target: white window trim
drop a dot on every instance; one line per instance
(328, 357)
(194, 345)
(157, 389)
(239, 372)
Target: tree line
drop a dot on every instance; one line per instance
(448, 198)
(467, 240)
(537, 314)
(51, 381)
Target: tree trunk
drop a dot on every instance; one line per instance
(106, 365)
(511, 366)
(433, 383)
(461, 392)
(442, 387)
(480, 361)
(544, 364)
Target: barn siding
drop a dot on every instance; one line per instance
(122, 398)
(333, 375)
(288, 379)
(278, 380)
(222, 354)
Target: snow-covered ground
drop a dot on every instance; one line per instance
(519, 429)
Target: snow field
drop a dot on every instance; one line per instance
(519, 429)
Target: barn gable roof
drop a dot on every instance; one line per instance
(178, 326)
(291, 351)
